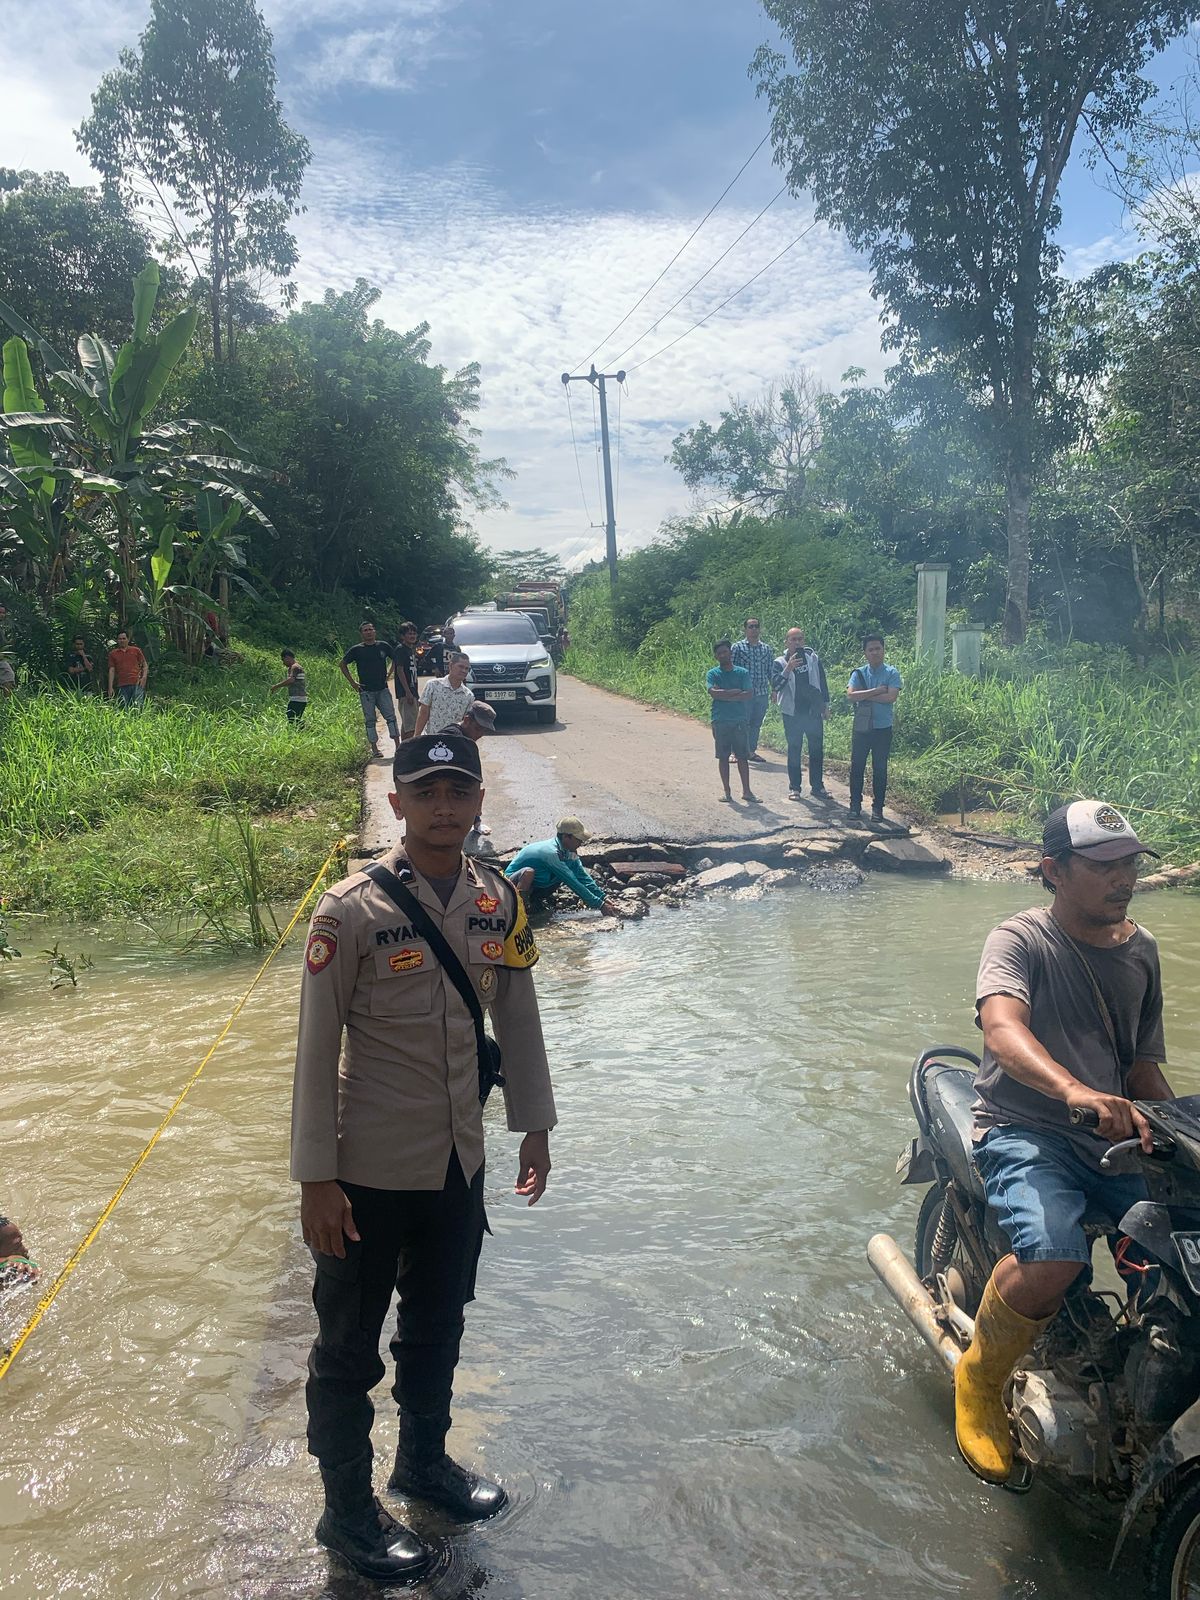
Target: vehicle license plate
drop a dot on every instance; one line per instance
(1188, 1247)
(499, 694)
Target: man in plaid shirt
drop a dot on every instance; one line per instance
(750, 652)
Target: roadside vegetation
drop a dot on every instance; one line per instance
(205, 807)
(190, 454)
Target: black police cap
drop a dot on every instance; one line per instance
(437, 752)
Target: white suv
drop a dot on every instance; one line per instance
(509, 663)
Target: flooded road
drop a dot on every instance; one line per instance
(680, 1363)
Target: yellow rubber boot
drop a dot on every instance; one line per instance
(1002, 1337)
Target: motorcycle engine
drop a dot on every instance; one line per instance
(1056, 1427)
(1162, 1373)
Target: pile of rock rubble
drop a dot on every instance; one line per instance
(640, 875)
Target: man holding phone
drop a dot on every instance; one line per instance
(802, 691)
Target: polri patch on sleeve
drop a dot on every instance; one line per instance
(331, 923)
(322, 947)
(519, 947)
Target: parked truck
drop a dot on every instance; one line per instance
(546, 605)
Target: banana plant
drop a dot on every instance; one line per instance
(102, 467)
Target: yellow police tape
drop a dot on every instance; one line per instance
(80, 1250)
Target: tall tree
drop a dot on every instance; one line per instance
(936, 136)
(510, 567)
(759, 453)
(67, 255)
(193, 115)
(382, 464)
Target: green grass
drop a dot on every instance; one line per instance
(1082, 723)
(204, 804)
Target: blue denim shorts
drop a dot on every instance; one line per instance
(1038, 1187)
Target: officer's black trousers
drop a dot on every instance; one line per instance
(425, 1244)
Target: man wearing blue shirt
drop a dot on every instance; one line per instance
(537, 868)
(731, 691)
(873, 691)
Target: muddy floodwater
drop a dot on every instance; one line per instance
(680, 1363)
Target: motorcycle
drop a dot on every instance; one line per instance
(430, 647)
(1109, 1396)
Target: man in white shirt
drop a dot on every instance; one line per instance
(446, 701)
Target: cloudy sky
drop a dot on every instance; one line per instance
(517, 172)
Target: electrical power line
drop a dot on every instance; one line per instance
(579, 365)
(707, 271)
(727, 299)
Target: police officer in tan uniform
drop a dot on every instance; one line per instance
(387, 1144)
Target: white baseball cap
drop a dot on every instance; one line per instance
(1093, 829)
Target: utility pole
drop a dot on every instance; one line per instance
(598, 380)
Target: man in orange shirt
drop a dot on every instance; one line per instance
(128, 671)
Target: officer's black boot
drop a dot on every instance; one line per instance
(363, 1532)
(424, 1471)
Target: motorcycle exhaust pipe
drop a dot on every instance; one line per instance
(896, 1272)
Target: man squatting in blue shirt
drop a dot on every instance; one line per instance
(537, 868)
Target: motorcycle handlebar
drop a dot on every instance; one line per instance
(1085, 1117)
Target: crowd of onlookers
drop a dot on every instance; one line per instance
(123, 676)
(749, 675)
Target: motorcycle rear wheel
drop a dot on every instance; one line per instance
(1175, 1547)
(959, 1270)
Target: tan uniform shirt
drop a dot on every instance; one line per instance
(384, 1105)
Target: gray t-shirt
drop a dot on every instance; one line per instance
(1032, 959)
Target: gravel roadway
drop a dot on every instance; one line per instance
(628, 771)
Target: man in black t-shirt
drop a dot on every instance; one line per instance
(407, 687)
(371, 659)
(79, 665)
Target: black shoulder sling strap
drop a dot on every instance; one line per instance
(488, 1050)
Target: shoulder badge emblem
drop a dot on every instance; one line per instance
(322, 947)
(487, 981)
(520, 950)
(441, 752)
(486, 904)
(406, 960)
(1106, 817)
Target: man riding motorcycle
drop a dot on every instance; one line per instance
(1069, 999)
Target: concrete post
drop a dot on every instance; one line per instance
(931, 612)
(967, 642)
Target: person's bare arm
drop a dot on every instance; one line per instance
(1148, 1082)
(354, 684)
(1007, 1035)
(422, 721)
(870, 694)
(112, 672)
